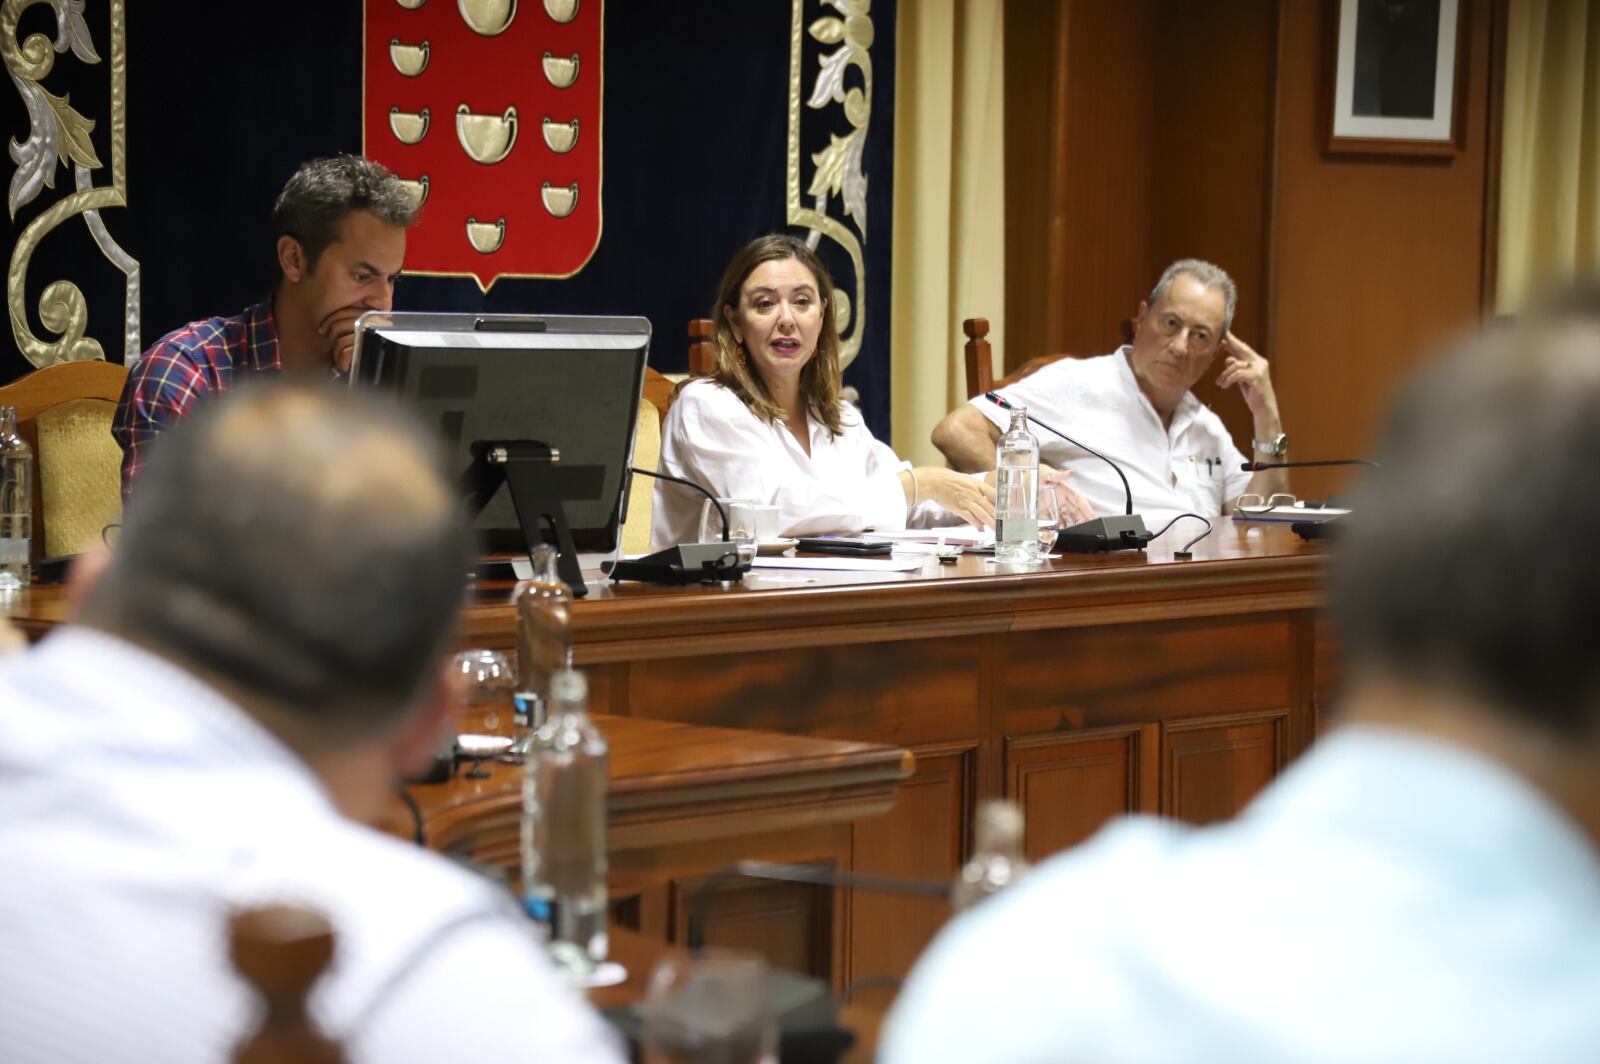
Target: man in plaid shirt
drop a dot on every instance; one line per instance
(340, 228)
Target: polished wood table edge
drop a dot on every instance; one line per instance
(620, 629)
(660, 826)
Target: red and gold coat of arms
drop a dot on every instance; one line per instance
(490, 109)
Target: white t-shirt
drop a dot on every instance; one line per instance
(1387, 899)
(1191, 466)
(847, 483)
(139, 808)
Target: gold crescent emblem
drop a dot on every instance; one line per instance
(411, 5)
(417, 188)
(560, 72)
(487, 138)
(486, 237)
(408, 128)
(559, 201)
(561, 136)
(561, 10)
(488, 18)
(409, 59)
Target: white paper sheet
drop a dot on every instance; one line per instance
(841, 562)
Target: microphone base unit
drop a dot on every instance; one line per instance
(687, 563)
(1103, 534)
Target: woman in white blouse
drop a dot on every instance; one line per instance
(768, 424)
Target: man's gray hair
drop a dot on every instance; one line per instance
(302, 546)
(1208, 274)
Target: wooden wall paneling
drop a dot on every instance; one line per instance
(1374, 259)
(1101, 251)
(1068, 784)
(1213, 766)
(1033, 107)
(1212, 68)
(924, 837)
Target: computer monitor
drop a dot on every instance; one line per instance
(568, 383)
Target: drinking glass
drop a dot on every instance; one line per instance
(1049, 517)
(741, 526)
(486, 695)
(712, 1008)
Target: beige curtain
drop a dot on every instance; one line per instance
(1550, 170)
(949, 207)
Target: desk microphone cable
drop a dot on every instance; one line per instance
(1187, 552)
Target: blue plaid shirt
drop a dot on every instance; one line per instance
(196, 360)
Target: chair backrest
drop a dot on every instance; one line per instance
(702, 347)
(65, 414)
(980, 358)
(281, 951)
(646, 455)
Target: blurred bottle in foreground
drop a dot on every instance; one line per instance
(564, 827)
(16, 503)
(542, 644)
(996, 860)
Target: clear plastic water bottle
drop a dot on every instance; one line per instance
(997, 859)
(16, 503)
(1016, 489)
(564, 828)
(541, 607)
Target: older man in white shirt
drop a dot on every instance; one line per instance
(248, 679)
(1424, 885)
(1135, 406)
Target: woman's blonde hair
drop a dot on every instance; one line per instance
(820, 379)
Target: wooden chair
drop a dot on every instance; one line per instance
(646, 455)
(702, 347)
(65, 414)
(980, 358)
(281, 951)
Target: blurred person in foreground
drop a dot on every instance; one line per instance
(339, 242)
(258, 663)
(1424, 884)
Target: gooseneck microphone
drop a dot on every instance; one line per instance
(721, 510)
(686, 563)
(1124, 532)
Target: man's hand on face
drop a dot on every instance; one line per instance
(1243, 367)
(340, 330)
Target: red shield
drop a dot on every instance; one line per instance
(491, 108)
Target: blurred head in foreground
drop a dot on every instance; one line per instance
(1467, 591)
(300, 550)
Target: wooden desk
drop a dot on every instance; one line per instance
(686, 801)
(1086, 688)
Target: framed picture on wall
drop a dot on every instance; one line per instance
(1397, 73)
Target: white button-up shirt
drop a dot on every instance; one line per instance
(1387, 899)
(847, 483)
(139, 808)
(1190, 466)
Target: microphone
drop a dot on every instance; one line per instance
(1252, 466)
(686, 563)
(1124, 532)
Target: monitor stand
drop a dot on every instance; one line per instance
(540, 489)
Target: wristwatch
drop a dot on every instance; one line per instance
(1273, 448)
